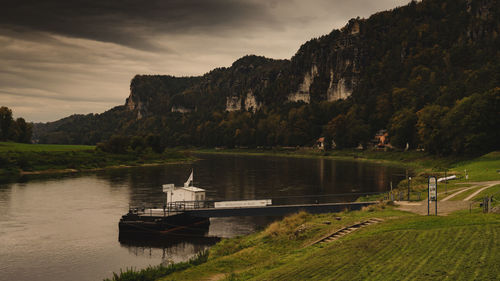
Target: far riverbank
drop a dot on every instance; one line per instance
(37, 159)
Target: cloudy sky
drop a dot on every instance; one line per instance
(60, 57)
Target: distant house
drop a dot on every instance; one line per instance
(381, 139)
(320, 143)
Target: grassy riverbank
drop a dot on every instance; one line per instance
(404, 246)
(16, 158)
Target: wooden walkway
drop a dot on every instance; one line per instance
(271, 210)
(277, 210)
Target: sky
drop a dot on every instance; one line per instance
(60, 57)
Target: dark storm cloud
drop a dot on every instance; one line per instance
(59, 57)
(131, 23)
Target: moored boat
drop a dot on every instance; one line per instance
(170, 220)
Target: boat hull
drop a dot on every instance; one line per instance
(135, 226)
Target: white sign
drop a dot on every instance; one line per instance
(432, 189)
(243, 203)
(168, 187)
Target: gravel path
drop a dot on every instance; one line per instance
(490, 184)
(445, 206)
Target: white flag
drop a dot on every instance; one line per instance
(189, 180)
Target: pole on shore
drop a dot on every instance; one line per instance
(436, 202)
(428, 200)
(408, 179)
(445, 182)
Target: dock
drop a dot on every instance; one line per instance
(186, 207)
(276, 210)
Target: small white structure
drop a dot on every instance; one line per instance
(190, 193)
(183, 193)
(454, 177)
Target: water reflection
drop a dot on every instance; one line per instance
(168, 248)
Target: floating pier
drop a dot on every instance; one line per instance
(186, 210)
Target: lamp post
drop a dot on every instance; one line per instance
(409, 187)
(446, 181)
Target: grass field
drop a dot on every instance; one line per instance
(484, 168)
(461, 246)
(25, 147)
(492, 191)
(16, 158)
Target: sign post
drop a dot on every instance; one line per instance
(432, 193)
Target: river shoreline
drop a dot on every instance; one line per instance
(68, 171)
(35, 159)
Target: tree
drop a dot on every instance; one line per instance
(137, 143)
(473, 124)
(116, 144)
(402, 128)
(347, 130)
(24, 130)
(5, 123)
(154, 141)
(430, 129)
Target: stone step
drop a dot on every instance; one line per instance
(346, 230)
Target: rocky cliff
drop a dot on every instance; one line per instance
(326, 68)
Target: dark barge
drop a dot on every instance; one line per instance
(150, 223)
(172, 219)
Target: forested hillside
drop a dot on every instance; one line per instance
(428, 72)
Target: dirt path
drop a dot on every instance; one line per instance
(458, 192)
(474, 185)
(490, 184)
(445, 206)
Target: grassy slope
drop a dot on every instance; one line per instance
(483, 168)
(492, 191)
(24, 147)
(404, 247)
(40, 157)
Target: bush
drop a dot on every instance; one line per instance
(152, 273)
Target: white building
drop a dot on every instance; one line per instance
(183, 193)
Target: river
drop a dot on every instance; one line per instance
(66, 227)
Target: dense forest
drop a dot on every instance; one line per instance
(428, 72)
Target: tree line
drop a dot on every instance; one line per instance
(120, 144)
(17, 130)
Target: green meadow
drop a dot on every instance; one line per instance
(17, 158)
(404, 246)
(25, 147)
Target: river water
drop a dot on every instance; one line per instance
(66, 227)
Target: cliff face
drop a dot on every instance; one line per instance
(323, 69)
(328, 68)
(150, 94)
